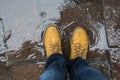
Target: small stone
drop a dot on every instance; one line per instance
(43, 14)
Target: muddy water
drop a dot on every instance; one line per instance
(25, 24)
(69, 15)
(88, 15)
(23, 35)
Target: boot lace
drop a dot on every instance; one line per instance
(78, 50)
(54, 47)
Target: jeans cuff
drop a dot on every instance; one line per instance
(75, 63)
(57, 57)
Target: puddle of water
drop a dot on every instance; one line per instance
(21, 29)
(25, 24)
(21, 23)
(49, 11)
(24, 27)
(87, 15)
(26, 30)
(67, 15)
(102, 43)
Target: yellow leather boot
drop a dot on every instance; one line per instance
(52, 41)
(79, 43)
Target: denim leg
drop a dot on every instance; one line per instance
(55, 68)
(80, 70)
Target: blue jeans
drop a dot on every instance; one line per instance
(57, 67)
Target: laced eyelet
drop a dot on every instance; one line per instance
(78, 50)
(54, 47)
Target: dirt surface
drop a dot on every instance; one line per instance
(22, 31)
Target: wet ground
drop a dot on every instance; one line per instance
(22, 29)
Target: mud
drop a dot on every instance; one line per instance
(97, 55)
(28, 51)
